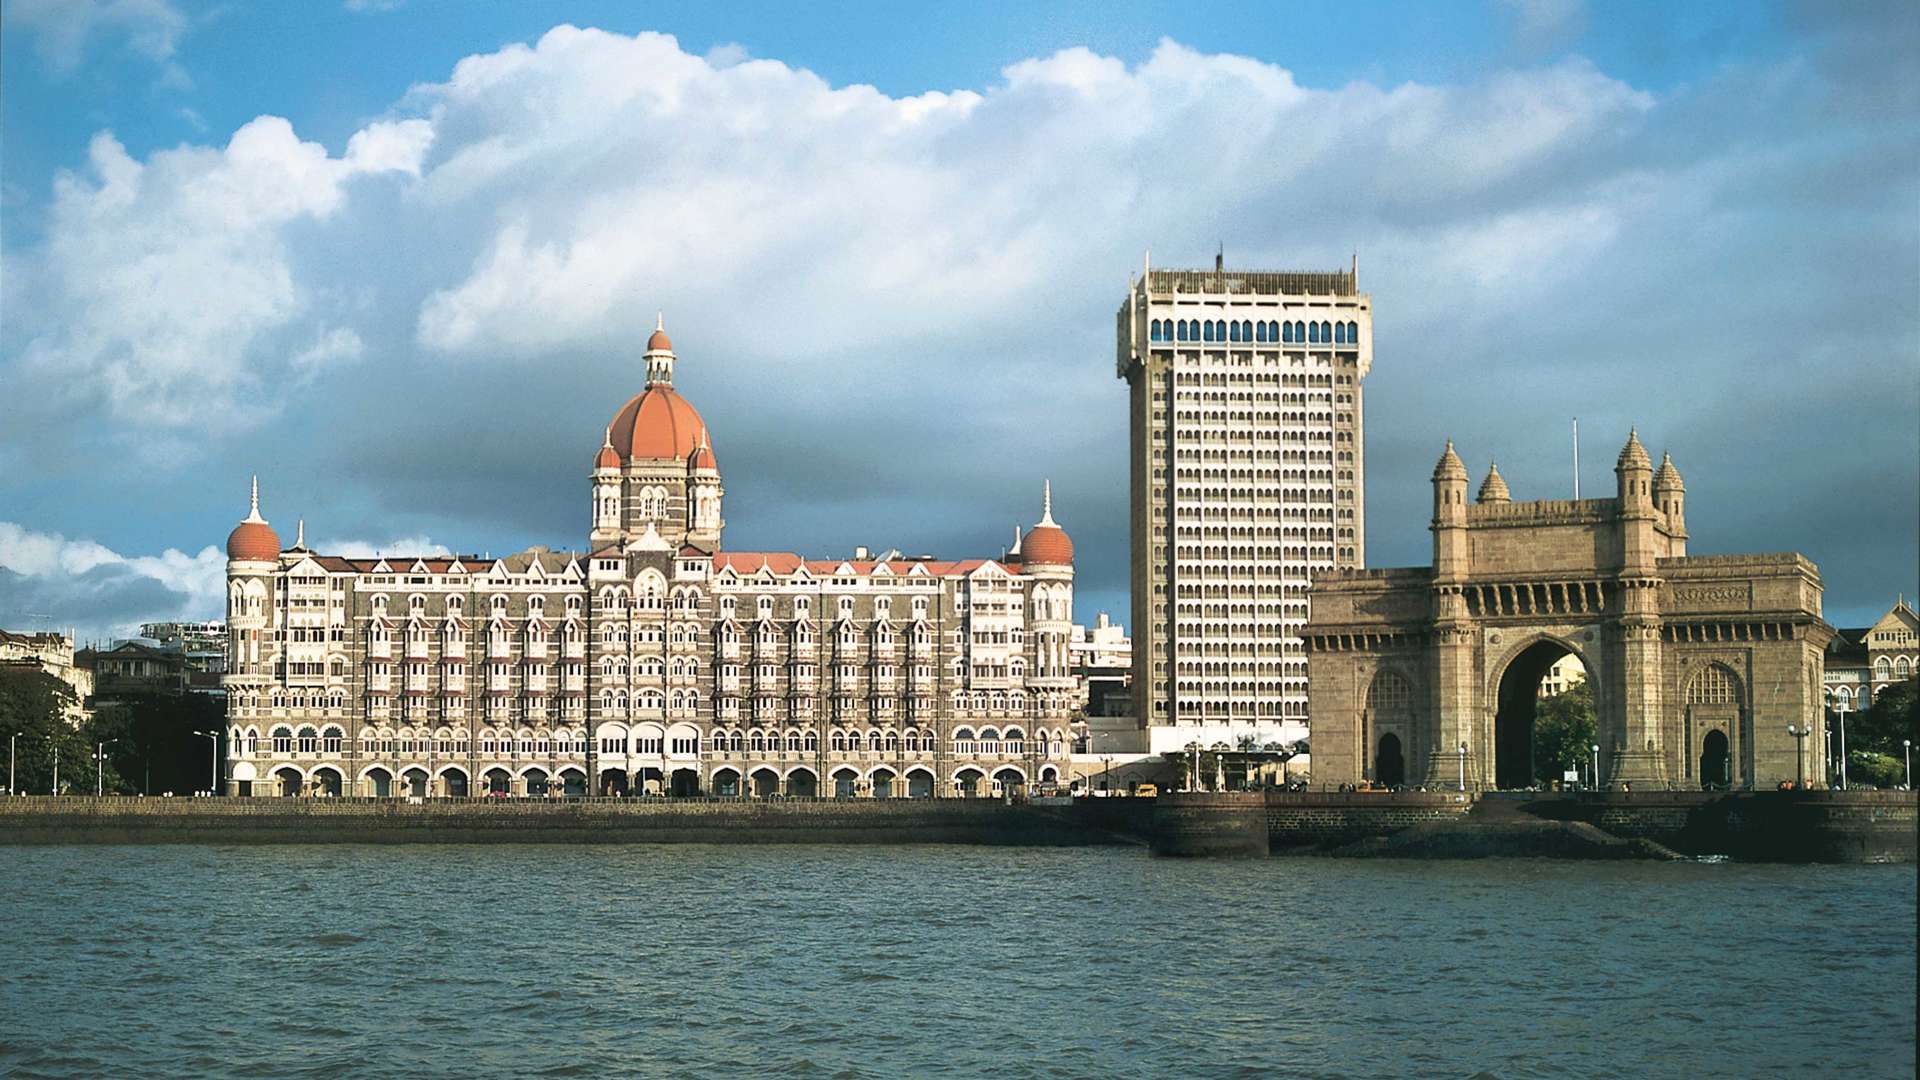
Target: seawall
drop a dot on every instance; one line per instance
(122, 820)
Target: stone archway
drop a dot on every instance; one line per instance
(288, 782)
(1390, 763)
(802, 784)
(326, 781)
(379, 783)
(454, 783)
(766, 783)
(1716, 761)
(882, 781)
(1518, 759)
(684, 783)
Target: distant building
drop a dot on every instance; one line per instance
(1565, 674)
(1863, 661)
(202, 646)
(1247, 479)
(1101, 657)
(133, 667)
(53, 654)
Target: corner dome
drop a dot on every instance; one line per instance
(1046, 544)
(1494, 489)
(1633, 455)
(1449, 467)
(253, 540)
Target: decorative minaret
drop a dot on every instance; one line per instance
(704, 492)
(1046, 556)
(253, 556)
(1494, 488)
(659, 355)
(1637, 758)
(606, 495)
(1453, 671)
(1670, 495)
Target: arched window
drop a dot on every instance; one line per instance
(1206, 331)
(1340, 333)
(1714, 685)
(283, 740)
(1313, 333)
(1901, 669)
(1233, 331)
(1389, 693)
(1286, 333)
(1882, 669)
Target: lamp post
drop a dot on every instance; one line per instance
(1594, 750)
(1843, 749)
(214, 783)
(56, 768)
(100, 765)
(1906, 758)
(1463, 766)
(1799, 734)
(11, 789)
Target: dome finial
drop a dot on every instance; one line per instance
(607, 442)
(1046, 502)
(300, 533)
(659, 320)
(253, 502)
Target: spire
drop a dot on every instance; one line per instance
(607, 442)
(1449, 467)
(1634, 455)
(300, 534)
(253, 507)
(1494, 489)
(1015, 549)
(1046, 504)
(660, 320)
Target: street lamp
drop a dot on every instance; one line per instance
(11, 789)
(1800, 734)
(1843, 748)
(1906, 757)
(1463, 766)
(1595, 751)
(215, 782)
(100, 764)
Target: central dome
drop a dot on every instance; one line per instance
(658, 423)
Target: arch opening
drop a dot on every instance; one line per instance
(802, 784)
(1389, 763)
(1716, 761)
(1545, 721)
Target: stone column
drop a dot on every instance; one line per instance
(1456, 696)
(1639, 757)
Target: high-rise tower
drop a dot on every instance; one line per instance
(1248, 475)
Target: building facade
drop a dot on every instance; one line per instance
(1706, 670)
(1247, 477)
(652, 661)
(53, 654)
(1863, 661)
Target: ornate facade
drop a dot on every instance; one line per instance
(1706, 670)
(654, 661)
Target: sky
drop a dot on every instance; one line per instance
(400, 260)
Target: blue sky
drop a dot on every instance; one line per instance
(398, 259)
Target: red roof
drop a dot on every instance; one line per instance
(253, 540)
(660, 342)
(658, 423)
(1047, 545)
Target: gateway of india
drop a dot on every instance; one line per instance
(656, 662)
(1706, 670)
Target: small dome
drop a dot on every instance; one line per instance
(1633, 455)
(702, 457)
(1494, 488)
(1449, 467)
(1047, 544)
(253, 540)
(607, 458)
(660, 342)
(1668, 478)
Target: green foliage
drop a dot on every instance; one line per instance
(1891, 718)
(1867, 769)
(34, 706)
(157, 749)
(1563, 729)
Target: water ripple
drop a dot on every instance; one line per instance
(940, 961)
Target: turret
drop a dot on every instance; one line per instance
(1670, 495)
(704, 492)
(659, 355)
(1494, 488)
(606, 494)
(1449, 517)
(1634, 472)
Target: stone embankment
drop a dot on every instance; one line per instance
(122, 820)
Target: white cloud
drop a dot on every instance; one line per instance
(64, 29)
(168, 284)
(84, 584)
(365, 549)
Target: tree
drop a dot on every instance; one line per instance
(1563, 729)
(1880, 727)
(34, 707)
(157, 749)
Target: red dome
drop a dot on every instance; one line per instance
(607, 458)
(253, 541)
(703, 459)
(659, 342)
(657, 424)
(1046, 545)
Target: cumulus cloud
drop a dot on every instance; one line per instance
(364, 549)
(83, 584)
(896, 311)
